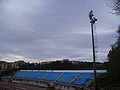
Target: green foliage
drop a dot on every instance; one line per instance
(114, 53)
(63, 65)
(114, 60)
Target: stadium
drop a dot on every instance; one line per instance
(57, 79)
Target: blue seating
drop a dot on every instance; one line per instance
(35, 75)
(84, 79)
(20, 74)
(31, 75)
(53, 76)
(68, 77)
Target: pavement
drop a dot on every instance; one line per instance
(15, 86)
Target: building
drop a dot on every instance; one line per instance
(3, 65)
(7, 66)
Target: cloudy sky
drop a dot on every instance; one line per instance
(41, 30)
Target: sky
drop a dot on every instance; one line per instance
(43, 30)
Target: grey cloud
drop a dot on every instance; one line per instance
(52, 29)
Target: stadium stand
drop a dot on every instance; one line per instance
(81, 79)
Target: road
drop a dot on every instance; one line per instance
(14, 86)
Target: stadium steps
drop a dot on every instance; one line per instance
(46, 75)
(67, 77)
(89, 80)
(53, 76)
(60, 76)
(20, 74)
(89, 83)
(16, 73)
(75, 78)
(25, 74)
(84, 79)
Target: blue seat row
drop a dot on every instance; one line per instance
(20, 74)
(68, 77)
(84, 79)
(35, 75)
(53, 76)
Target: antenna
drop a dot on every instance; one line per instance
(92, 22)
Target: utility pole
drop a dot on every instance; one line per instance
(92, 22)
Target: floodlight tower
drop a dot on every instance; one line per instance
(92, 22)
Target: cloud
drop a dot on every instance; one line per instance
(44, 30)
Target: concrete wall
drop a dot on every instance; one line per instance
(57, 86)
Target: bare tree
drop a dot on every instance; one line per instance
(116, 6)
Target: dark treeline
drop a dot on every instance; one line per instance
(63, 65)
(114, 53)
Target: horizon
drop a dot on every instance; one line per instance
(51, 61)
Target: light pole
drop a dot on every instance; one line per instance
(92, 21)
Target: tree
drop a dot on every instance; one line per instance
(114, 60)
(114, 53)
(116, 6)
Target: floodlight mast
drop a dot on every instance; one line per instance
(92, 21)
